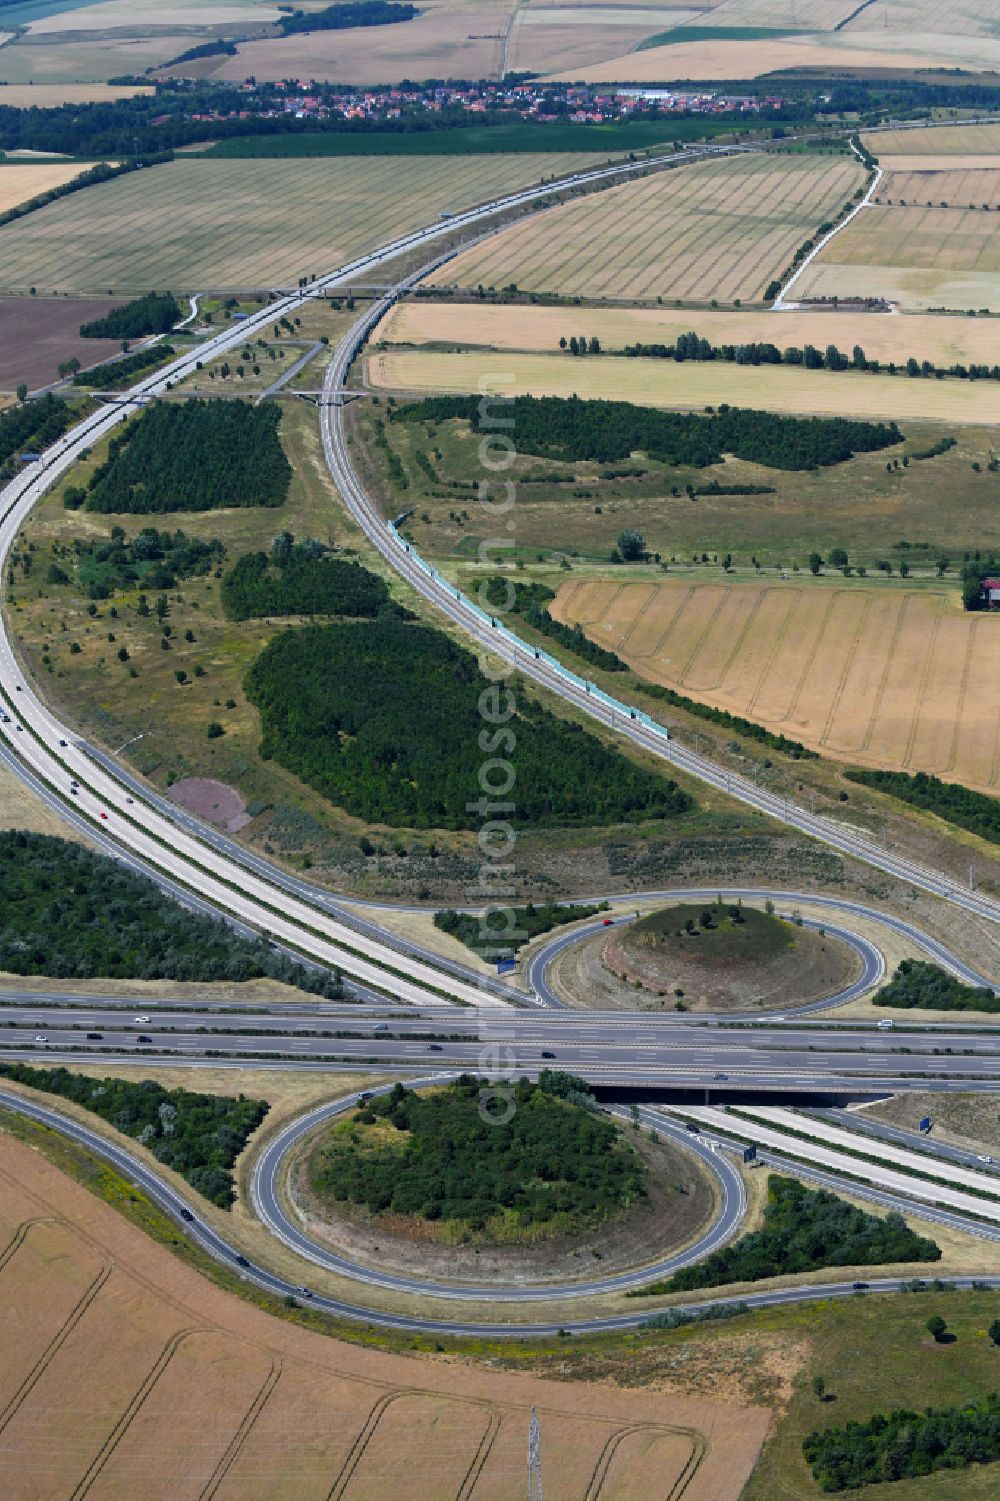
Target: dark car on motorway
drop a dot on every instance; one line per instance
(186, 1214)
(548, 1055)
(143, 1038)
(434, 1047)
(95, 1036)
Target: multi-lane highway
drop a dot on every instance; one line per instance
(493, 637)
(211, 873)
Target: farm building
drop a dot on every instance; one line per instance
(991, 592)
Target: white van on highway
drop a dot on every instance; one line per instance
(884, 1026)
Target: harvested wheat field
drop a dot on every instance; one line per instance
(883, 336)
(201, 1394)
(712, 229)
(955, 187)
(545, 36)
(228, 224)
(935, 140)
(136, 15)
(730, 57)
(447, 39)
(919, 256)
(28, 180)
(689, 386)
(48, 95)
(886, 677)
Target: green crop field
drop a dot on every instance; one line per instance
(198, 224)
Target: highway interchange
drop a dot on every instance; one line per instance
(449, 1008)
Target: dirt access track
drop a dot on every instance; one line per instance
(201, 1394)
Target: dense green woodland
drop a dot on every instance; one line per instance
(70, 914)
(114, 374)
(494, 938)
(551, 1164)
(902, 1445)
(193, 456)
(804, 1229)
(31, 427)
(385, 720)
(300, 578)
(347, 13)
(155, 313)
(556, 427)
(918, 984)
(152, 558)
(975, 811)
(530, 601)
(199, 1135)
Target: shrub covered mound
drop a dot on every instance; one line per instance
(299, 578)
(386, 720)
(553, 1166)
(556, 427)
(193, 456)
(70, 914)
(199, 1135)
(901, 1445)
(927, 987)
(711, 933)
(804, 1229)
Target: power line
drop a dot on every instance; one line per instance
(534, 1459)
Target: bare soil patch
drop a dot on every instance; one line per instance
(282, 1410)
(216, 802)
(37, 334)
(681, 1201)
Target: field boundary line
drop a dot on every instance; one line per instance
(845, 670)
(363, 1439)
(133, 1405)
(737, 645)
(925, 671)
(17, 1239)
(57, 1341)
(683, 598)
(709, 625)
(880, 691)
(623, 639)
(481, 1455)
(960, 709)
(780, 303)
(242, 1433)
(776, 645)
(805, 672)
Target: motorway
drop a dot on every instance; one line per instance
(496, 639)
(210, 873)
(184, 1211)
(249, 889)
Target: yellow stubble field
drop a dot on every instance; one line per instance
(918, 256)
(889, 677)
(883, 336)
(721, 229)
(687, 387)
(935, 140)
(27, 180)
